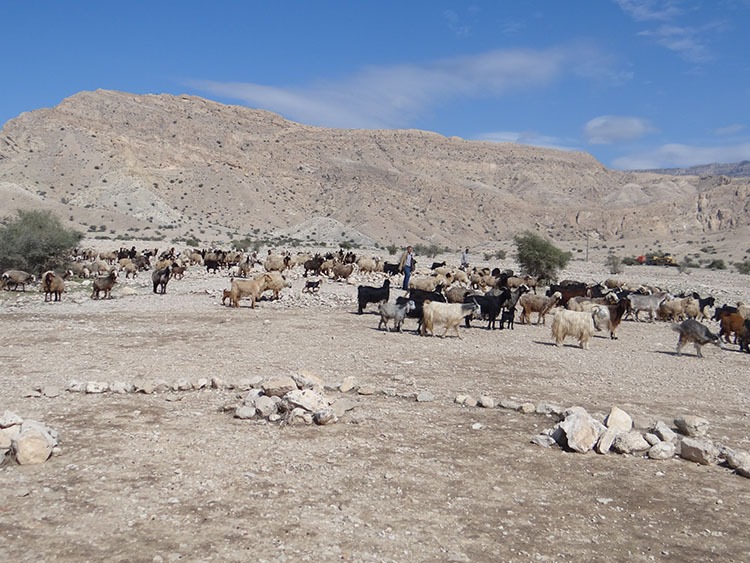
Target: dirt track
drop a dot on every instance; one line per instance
(171, 475)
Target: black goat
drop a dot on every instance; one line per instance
(437, 265)
(391, 269)
(211, 264)
(489, 306)
(368, 294)
(160, 279)
(703, 302)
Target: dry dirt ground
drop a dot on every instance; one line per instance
(173, 476)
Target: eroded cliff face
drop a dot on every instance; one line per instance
(181, 165)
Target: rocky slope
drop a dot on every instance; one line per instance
(165, 166)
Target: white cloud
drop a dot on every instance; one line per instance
(732, 129)
(608, 129)
(676, 155)
(648, 10)
(388, 97)
(684, 41)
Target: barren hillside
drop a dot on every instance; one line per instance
(166, 166)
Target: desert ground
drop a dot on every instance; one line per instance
(174, 476)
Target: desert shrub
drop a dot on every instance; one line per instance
(614, 264)
(687, 262)
(498, 254)
(36, 241)
(392, 249)
(717, 264)
(743, 267)
(538, 256)
(630, 261)
(430, 250)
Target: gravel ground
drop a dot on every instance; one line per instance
(173, 476)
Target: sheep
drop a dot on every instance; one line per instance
(449, 314)
(578, 324)
(178, 271)
(342, 271)
(538, 304)
(80, 269)
(276, 263)
(395, 311)
(587, 304)
(104, 284)
(130, 270)
(456, 294)
(16, 278)
(160, 277)
(678, 309)
(367, 265)
(427, 283)
(244, 288)
(272, 281)
(368, 294)
(53, 285)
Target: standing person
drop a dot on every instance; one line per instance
(465, 259)
(406, 265)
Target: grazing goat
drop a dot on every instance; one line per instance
(396, 311)
(538, 304)
(271, 281)
(160, 278)
(53, 286)
(178, 271)
(648, 303)
(731, 323)
(449, 314)
(16, 278)
(489, 305)
(276, 263)
(244, 288)
(578, 324)
(369, 294)
(105, 285)
(693, 331)
(211, 264)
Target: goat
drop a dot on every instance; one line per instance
(16, 278)
(311, 286)
(211, 264)
(342, 271)
(244, 288)
(509, 311)
(437, 265)
(456, 294)
(313, 265)
(744, 336)
(366, 265)
(648, 303)
(104, 284)
(678, 309)
(391, 269)
(731, 323)
(276, 263)
(538, 304)
(578, 324)
(369, 294)
(160, 277)
(489, 305)
(568, 289)
(449, 314)
(53, 285)
(609, 316)
(178, 271)
(693, 331)
(271, 281)
(396, 311)
(703, 304)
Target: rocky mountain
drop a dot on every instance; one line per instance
(167, 166)
(731, 169)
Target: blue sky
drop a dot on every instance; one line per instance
(636, 83)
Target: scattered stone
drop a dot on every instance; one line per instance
(343, 405)
(734, 459)
(549, 408)
(476, 426)
(244, 384)
(348, 384)
(389, 392)
(630, 442)
(217, 383)
(279, 386)
(7, 434)
(581, 430)
(324, 416)
(618, 419)
(182, 385)
(509, 404)
(147, 388)
(664, 432)
(486, 402)
(691, 425)
(244, 412)
(49, 391)
(425, 397)
(471, 402)
(306, 399)
(460, 399)
(543, 440)
(10, 419)
(306, 380)
(662, 450)
(32, 446)
(366, 390)
(526, 408)
(652, 439)
(202, 383)
(121, 387)
(265, 406)
(77, 386)
(607, 438)
(97, 387)
(699, 450)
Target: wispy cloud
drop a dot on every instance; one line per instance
(732, 129)
(650, 10)
(676, 155)
(394, 96)
(685, 41)
(455, 24)
(608, 129)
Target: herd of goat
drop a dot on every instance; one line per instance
(445, 298)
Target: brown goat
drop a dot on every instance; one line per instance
(104, 284)
(731, 323)
(53, 286)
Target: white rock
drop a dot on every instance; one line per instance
(691, 425)
(662, 450)
(527, 408)
(32, 446)
(7, 434)
(543, 440)
(630, 442)
(324, 416)
(121, 387)
(605, 441)
(348, 384)
(306, 399)
(10, 419)
(699, 450)
(486, 402)
(581, 431)
(425, 397)
(279, 386)
(244, 412)
(342, 405)
(664, 432)
(97, 387)
(618, 419)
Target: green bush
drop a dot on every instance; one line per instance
(743, 267)
(717, 265)
(36, 241)
(538, 256)
(498, 254)
(431, 250)
(630, 261)
(615, 265)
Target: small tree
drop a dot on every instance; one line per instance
(36, 241)
(614, 264)
(538, 256)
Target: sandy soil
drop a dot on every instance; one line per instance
(173, 476)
